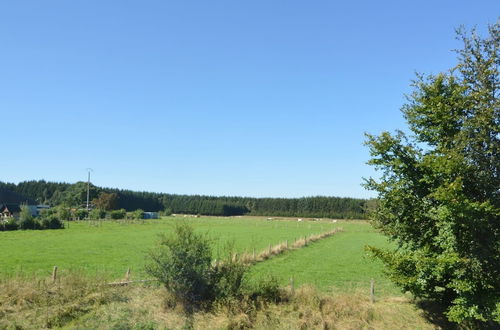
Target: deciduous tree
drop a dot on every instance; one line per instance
(439, 191)
(106, 201)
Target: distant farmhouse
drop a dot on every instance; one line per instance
(10, 204)
(9, 210)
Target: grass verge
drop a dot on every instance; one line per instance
(81, 302)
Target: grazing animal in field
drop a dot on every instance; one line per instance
(299, 220)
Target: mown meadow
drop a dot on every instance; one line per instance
(336, 264)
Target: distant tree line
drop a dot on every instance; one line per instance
(74, 195)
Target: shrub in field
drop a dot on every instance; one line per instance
(226, 279)
(51, 222)
(182, 263)
(167, 212)
(80, 214)
(96, 214)
(137, 214)
(26, 220)
(265, 290)
(117, 214)
(9, 224)
(63, 213)
(47, 212)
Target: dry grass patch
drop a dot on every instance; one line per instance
(308, 309)
(40, 303)
(275, 250)
(282, 247)
(76, 302)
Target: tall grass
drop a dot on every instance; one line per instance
(83, 302)
(274, 250)
(30, 302)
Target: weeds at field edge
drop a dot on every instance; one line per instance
(75, 301)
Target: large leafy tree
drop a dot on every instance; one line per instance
(439, 189)
(76, 194)
(106, 201)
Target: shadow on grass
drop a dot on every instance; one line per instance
(435, 313)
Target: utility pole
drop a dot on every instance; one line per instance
(88, 188)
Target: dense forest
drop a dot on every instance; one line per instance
(56, 193)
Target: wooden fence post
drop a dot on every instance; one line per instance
(287, 244)
(253, 254)
(372, 290)
(54, 274)
(292, 286)
(127, 275)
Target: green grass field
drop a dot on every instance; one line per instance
(112, 247)
(338, 263)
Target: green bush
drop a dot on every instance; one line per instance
(182, 263)
(10, 224)
(51, 222)
(29, 223)
(26, 220)
(226, 279)
(137, 214)
(63, 213)
(96, 214)
(167, 212)
(80, 214)
(117, 214)
(265, 290)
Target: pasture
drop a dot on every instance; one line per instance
(110, 247)
(336, 264)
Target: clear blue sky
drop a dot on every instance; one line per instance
(253, 98)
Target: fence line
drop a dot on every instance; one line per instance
(271, 251)
(127, 281)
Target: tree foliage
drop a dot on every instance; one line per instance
(26, 220)
(439, 196)
(106, 201)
